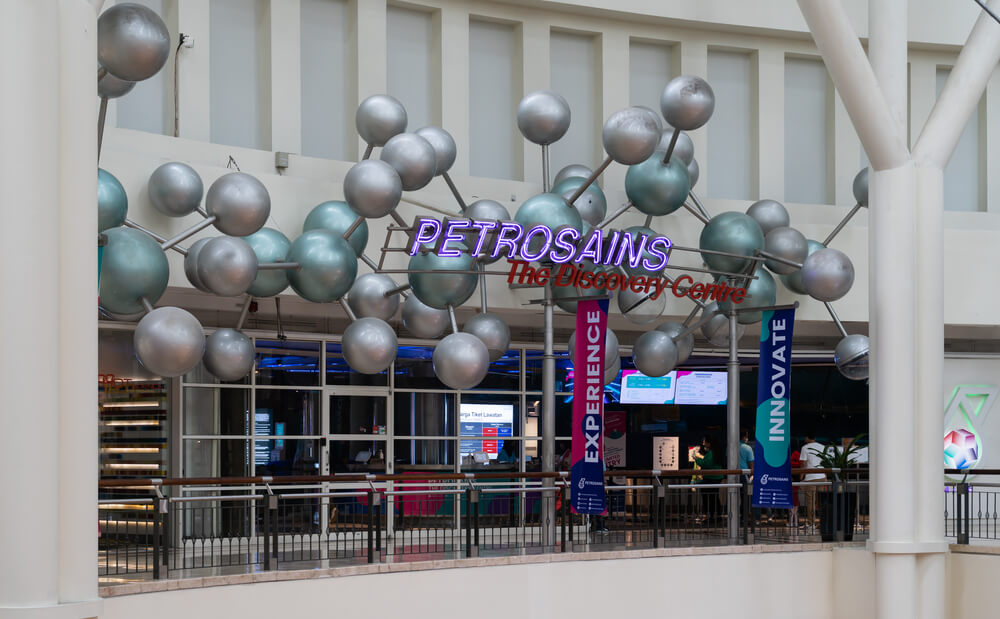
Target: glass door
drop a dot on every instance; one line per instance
(356, 431)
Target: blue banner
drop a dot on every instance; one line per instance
(587, 453)
(772, 470)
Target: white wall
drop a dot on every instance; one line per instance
(973, 593)
(409, 57)
(575, 74)
(808, 124)
(732, 161)
(755, 586)
(327, 105)
(494, 91)
(972, 391)
(283, 117)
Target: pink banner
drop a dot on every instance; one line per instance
(587, 470)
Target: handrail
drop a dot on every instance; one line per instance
(434, 477)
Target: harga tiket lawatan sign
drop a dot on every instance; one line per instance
(569, 254)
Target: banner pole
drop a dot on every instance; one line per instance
(733, 426)
(548, 425)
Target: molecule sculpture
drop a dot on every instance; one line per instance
(750, 250)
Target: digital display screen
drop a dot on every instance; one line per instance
(678, 387)
(491, 422)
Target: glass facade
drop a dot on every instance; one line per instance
(302, 411)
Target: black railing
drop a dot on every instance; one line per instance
(253, 523)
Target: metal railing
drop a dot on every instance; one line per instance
(972, 507)
(263, 523)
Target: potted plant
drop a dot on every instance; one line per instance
(837, 507)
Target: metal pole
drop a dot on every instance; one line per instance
(732, 426)
(454, 191)
(548, 425)
(482, 288)
(102, 115)
(670, 148)
(545, 168)
(193, 230)
(840, 226)
(590, 180)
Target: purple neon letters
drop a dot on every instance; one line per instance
(513, 242)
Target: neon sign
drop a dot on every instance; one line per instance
(567, 258)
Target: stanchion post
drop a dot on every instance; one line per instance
(468, 522)
(962, 513)
(157, 521)
(272, 506)
(371, 526)
(562, 518)
(267, 535)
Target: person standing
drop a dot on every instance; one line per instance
(746, 462)
(810, 456)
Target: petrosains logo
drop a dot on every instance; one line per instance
(763, 479)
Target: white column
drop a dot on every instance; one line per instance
(48, 112)
(193, 79)
(284, 71)
(77, 290)
(770, 113)
(454, 72)
(370, 53)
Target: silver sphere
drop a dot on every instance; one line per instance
(133, 267)
(112, 201)
(338, 217)
(132, 41)
(685, 345)
(687, 102)
(630, 136)
(227, 266)
(562, 294)
(716, 330)
(549, 210)
(653, 114)
(655, 353)
(191, 265)
(412, 157)
(327, 266)
(367, 296)
(851, 356)
(734, 233)
(269, 246)
(422, 321)
(240, 202)
(169, 341)
(372, 188)
(369, 345)
(787, 243)
(769, 214)
(543, 117)
(175, 189)
(611, 373)
(827, 274)
(379, 118)
(461, 361)
(611, 354)
(485, 210)
(445, 150)
(493, 331)
(573, 170)
(683, 149)
(229, 354)
(639, 307)
(592, 204)
(110, 87)
(694, 172)
(793, 281)
(860, 187)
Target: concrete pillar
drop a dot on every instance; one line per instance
(48, 112)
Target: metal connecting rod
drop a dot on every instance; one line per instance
(840, 226)
(193, 230)
(590, 179)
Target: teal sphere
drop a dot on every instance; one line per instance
(656, 188)
(732, 232)
(793, 281)
(592, 204)
(327, 266)
(133, 267)
(112, 202)
(549, 210)
(337, 217)
(270, 246)
(439, 290)
(560, 294)
(762, 292)
(634, 232)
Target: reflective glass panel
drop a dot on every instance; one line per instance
(367, 456)
(284, 362)
(339, 373)
(287, 412)
(424, 414)
(210, 410)
(357, 414)
(286, 457)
